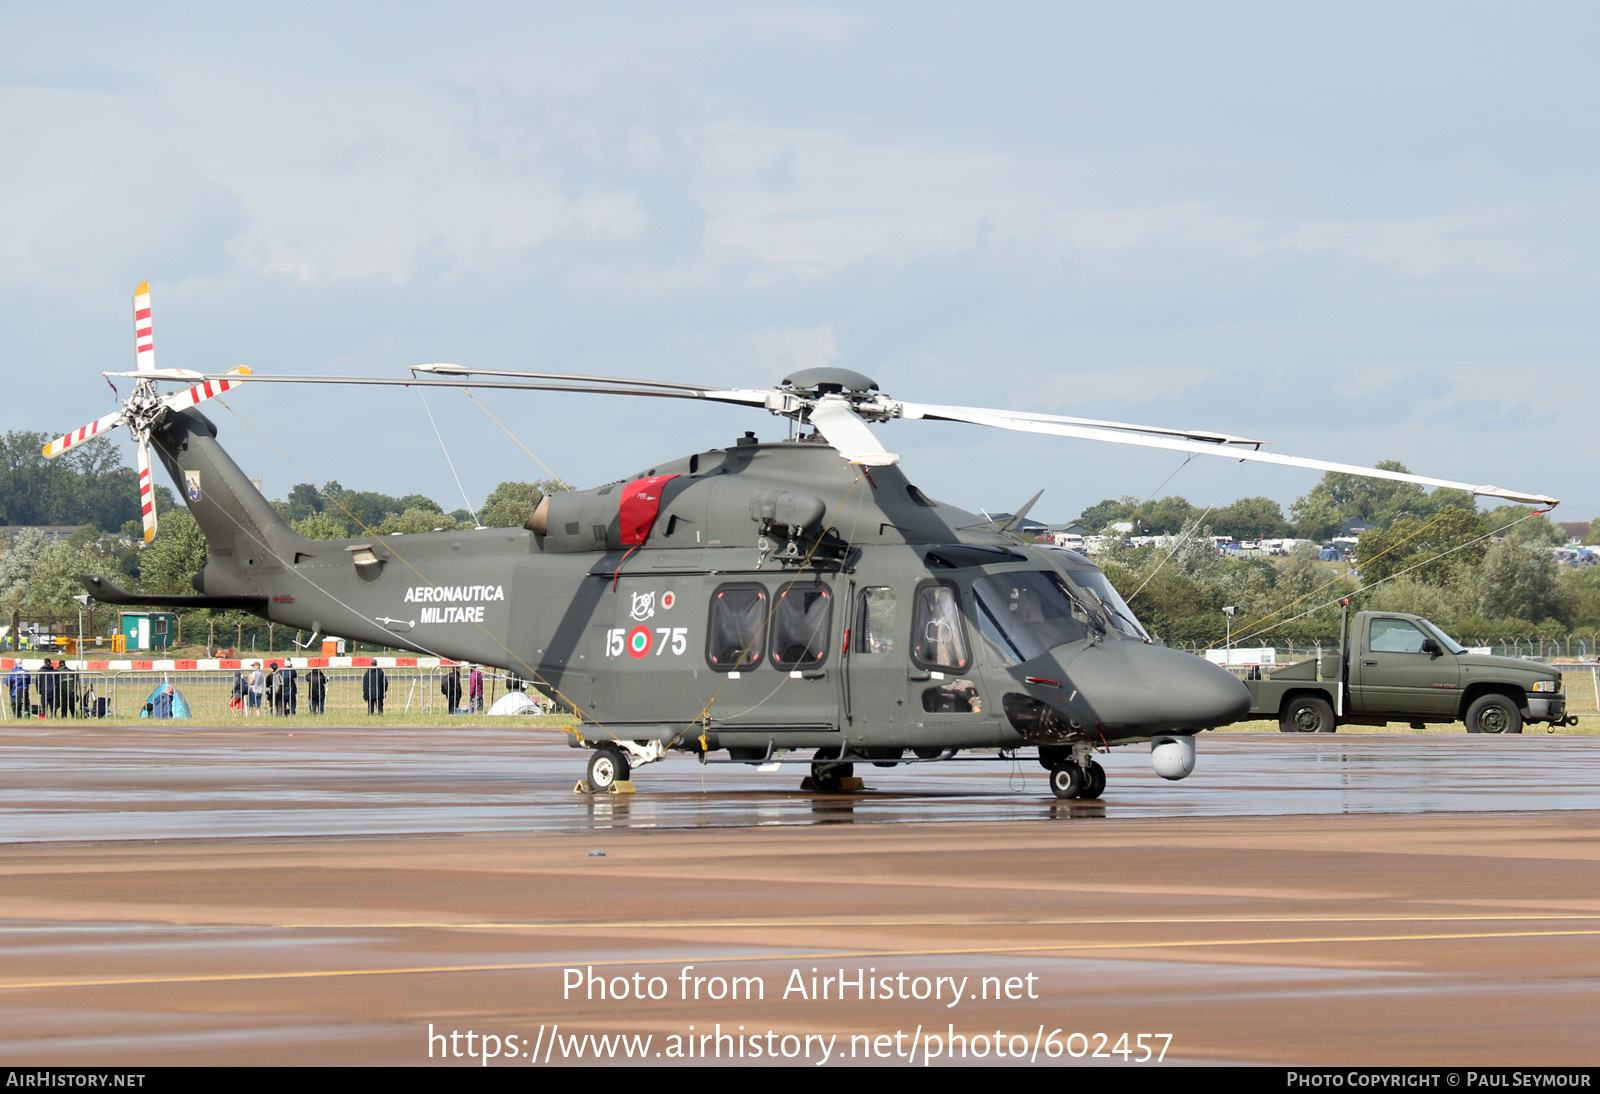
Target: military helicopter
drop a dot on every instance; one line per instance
(742, 604)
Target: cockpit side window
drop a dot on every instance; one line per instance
(938, 639)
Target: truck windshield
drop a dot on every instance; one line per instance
(1444, 639)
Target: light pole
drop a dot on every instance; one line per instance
(1228, 613)
(83, 602)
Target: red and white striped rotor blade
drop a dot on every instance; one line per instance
(81, 434)
(144, 339)
(147, 493)
(210, 389)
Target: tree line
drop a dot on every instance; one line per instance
(1432, 553)
(93, 488)
(1330, 506)
(1480, 575)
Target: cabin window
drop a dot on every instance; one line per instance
(938, 640)
(875, 627)
(736, 628)
(800, 627)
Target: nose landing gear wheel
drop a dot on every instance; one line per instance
(607, 767)
(1066, 779)
(1094, 781)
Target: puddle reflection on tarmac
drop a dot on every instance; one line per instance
(79, 784)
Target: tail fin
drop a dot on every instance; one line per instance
(247, 537)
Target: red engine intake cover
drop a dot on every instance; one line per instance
(641, 503)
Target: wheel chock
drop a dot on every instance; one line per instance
(621, 786)
(846, 783)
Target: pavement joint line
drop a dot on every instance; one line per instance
(841, 955)
(759, 924)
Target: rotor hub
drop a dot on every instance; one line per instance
(143, 408)
(827, 380)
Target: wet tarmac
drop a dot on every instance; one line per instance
(134, 783)
(355, 896)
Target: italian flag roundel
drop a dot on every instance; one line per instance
(639, 641)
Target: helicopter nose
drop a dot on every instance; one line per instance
(1129, 684)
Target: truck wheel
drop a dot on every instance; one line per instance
(1493, 714)
(1307, 714)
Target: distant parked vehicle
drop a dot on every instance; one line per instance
(1401, 668)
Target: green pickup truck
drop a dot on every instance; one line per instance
(1401, 668)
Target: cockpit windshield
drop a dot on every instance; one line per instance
(1097, 588)
(1026, 614)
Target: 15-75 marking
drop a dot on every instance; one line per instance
(641, 640)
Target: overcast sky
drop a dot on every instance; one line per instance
(1360, 232)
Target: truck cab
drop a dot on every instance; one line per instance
(1394, 667)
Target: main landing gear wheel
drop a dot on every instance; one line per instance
(1094, 780)
(828, 776)
(1067, 779)
(1493, 714)
(1307, 714)
(607, 767)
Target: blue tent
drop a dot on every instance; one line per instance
(165, 702)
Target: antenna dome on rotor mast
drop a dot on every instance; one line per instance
(829, 379)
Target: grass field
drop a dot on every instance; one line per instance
(1588, 726)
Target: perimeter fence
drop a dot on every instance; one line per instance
(1575, 647)
(209, 695)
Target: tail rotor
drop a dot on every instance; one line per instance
(145, 406)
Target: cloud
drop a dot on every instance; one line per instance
(93, 81)
(1276, 229)
(153, 212)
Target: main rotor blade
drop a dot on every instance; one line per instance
(845, 426)
(443, 369)
(1000, 419)
(964, 413)
(182, 375)
(83, 433)
(849, 433)
(672, 391)
(584, 382)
